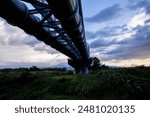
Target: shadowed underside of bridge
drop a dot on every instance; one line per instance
(58, 23)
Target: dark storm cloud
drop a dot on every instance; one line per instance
(136, 47)
(106, 14)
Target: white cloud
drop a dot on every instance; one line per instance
(139, 19)
(43, 47)
(17, 47)
(28, 54)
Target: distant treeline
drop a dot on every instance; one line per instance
(33, 68)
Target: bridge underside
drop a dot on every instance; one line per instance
(58, 23)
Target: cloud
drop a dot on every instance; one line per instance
(108, 31)
(14, 36)
(26, 55)
(139, 19)
(139, 4)
(42, 47)
(11, 35)
(20, 49)
(106, 14)
(136, 47)
(100, 43)
(90, 35)
(126, 43)
(147, 21)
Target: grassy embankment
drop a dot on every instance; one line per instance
(122, 83)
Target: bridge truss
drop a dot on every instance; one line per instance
(58, 23)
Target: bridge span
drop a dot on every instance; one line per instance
(58, 23)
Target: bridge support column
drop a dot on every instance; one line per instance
(81, 67)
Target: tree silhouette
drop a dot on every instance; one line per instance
(95, 64)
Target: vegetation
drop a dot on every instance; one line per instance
(55, 83)
(97, 65)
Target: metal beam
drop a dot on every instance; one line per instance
(69, 14)
(58, 29)
(59, 25)
(30, 24)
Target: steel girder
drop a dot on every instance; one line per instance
(58, 23)
(69, 12)
(18, 14)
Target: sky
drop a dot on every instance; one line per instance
(117, 32)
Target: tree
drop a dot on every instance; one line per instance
(95, 64)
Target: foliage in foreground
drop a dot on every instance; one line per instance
(121, 83)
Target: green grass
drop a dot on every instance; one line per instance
(110, 84)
